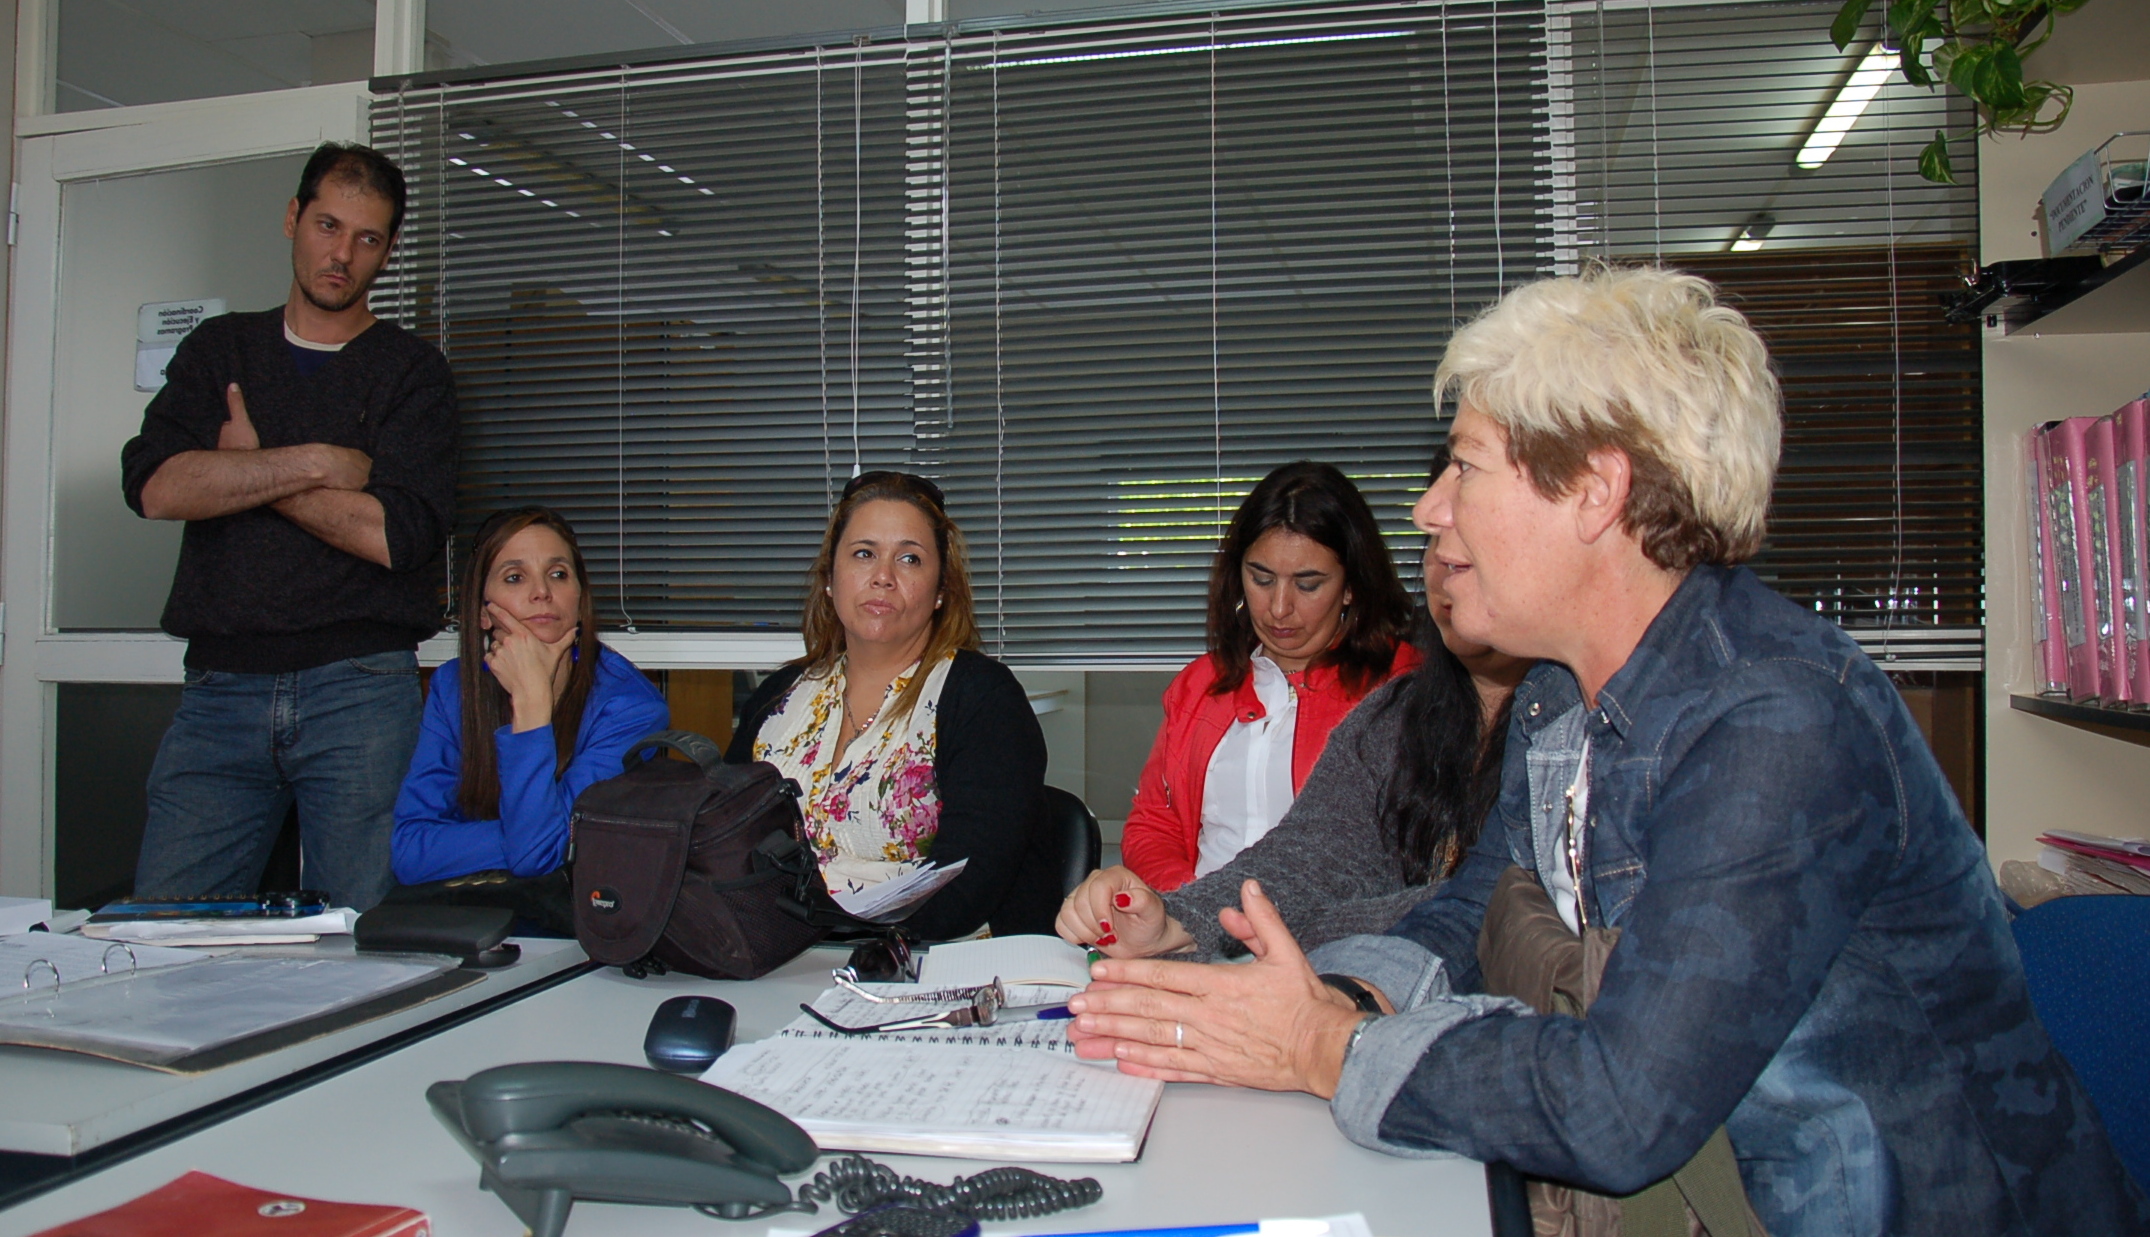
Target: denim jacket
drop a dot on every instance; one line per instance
(1813, 954)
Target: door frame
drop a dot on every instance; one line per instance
(53, 152)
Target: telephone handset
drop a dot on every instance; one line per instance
(546, 1133)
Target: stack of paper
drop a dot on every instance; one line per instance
(23, 914)
(228, 930)
(2090, 864)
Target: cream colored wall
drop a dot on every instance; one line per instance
(2042, 774)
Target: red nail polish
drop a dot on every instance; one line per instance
(1123, 901)
(1108, 939)
(1104, 925)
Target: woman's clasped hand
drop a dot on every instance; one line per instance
(1271, 1024)
(528, 662)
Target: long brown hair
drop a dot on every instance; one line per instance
(1321, 504)
(954, 626)
(485, 701)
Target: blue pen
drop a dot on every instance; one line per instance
(1053, 1013)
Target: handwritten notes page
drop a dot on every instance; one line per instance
(975, 1102)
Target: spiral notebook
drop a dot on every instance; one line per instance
(1010, 1091)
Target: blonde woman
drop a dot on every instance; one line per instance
(910, 744)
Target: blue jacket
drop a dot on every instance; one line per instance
(1813, 954)
(434, 840)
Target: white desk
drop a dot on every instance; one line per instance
(65, 1103)
(368, 1136)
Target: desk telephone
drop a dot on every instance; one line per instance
(547, 1133)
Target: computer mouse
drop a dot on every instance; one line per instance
(688, 1034)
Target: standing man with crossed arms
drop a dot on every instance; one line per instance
(311, 450)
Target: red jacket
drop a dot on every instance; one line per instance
(1164, 824)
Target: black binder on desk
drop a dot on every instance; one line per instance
(208, 1014)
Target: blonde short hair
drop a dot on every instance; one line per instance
(1646, 361)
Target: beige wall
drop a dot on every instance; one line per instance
(2042, 774)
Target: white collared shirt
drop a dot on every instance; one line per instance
(1248, 786)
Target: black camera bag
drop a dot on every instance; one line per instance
(701, 867)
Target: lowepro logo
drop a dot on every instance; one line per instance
(604, 901)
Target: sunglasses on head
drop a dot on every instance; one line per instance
(909, 479)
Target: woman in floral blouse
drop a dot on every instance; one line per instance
(910, 744)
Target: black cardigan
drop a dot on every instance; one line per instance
(989, 770)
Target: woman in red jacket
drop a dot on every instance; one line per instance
(1306, 616)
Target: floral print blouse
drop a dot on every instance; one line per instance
(871, 809)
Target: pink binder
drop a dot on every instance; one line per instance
(2049, 662)
(2132, 448)
(2106, 513)
(2068, 488)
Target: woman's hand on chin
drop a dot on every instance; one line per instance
(526, 666)
(1270, 1023)
(1120, 915)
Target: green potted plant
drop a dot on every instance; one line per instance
(1976, 46)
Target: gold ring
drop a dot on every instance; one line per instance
(1179, 1035)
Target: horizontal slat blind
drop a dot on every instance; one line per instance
(1686, 122)
(1184, 253)
(651, 285)
(1097, 277)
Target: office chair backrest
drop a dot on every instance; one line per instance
(2088, 962)
(1076, 841)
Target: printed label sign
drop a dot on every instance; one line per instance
(158, 328)
(2074, 204)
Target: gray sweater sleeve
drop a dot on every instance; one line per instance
(1325, 864)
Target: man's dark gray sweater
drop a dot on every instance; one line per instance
(1325, 864)
(255, 593)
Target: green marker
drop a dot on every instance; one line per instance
(1094, 956)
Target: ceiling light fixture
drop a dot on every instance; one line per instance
(1750, 237)
(1866, 81)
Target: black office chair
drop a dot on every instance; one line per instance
(1075, 839)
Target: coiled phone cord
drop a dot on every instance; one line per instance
(855, 1183)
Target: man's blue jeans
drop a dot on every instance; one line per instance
(335, 738)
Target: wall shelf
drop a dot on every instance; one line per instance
(2084, 714)
(2113, 299)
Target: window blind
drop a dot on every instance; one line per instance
(1181, 254)
(675, 301)
(1685, 124)
(1097, 277)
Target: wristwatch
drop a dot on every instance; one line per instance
(1361, 995)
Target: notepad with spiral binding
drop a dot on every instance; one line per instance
(1009, 1091)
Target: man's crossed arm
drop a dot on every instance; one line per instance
(320, 488)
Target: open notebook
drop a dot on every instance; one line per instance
(1009, 1091)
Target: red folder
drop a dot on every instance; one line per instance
(199, 1204)
(2132, 448)
(2104, 519)
(2068, 484)
(2049, 662)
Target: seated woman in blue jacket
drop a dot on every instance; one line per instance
(533, 711)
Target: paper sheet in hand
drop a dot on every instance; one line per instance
(983, 1103)
(1011, 959)
(164, 1014)
(892, 899)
